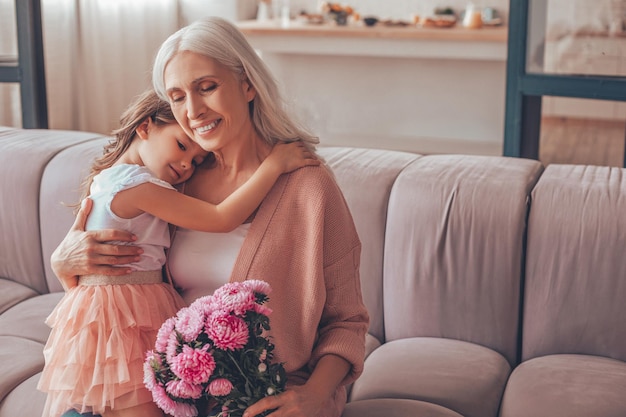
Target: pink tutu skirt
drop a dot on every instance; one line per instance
(95, 353)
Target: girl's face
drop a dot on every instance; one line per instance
(168, 152)
(209, 101)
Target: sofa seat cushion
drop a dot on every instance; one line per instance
(23, 334)
(461, 376)
(26, 398)
(27, 319)
(389, 407)
(12, 292)
(19, 360)
(567, 386)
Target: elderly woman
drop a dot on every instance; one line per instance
(301, 239)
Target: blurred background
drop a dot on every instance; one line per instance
(410, 93)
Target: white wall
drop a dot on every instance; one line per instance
(229, 9)
(94, 100)
(393, 93)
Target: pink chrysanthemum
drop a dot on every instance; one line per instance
(195, 366)
(204, 305)
(189, 323)
(171, 349)
(185, 410)
(234, 297)
(180, 369)
(183, 389)
(227, 332)
(261, 309)
(165, 331)
(162, 400)
(257, 286)
(149, 379)
(220, 387)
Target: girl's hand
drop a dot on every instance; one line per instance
(82, 253)
(291, 156)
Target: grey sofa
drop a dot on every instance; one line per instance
(495, 287)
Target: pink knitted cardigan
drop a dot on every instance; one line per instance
(303, 242)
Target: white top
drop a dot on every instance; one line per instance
(201, 262)
(152, 233)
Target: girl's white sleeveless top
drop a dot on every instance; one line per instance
(201, 262)
(152, 233)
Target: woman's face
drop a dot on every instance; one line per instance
(209, 101)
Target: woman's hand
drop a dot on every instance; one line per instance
(309, 399)
(82, 253)
(298, 401)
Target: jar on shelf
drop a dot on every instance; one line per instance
(473, 17)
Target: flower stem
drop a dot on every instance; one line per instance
(248, 383)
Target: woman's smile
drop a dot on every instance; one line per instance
(208, 127)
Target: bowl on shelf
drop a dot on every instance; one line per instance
(370, 20)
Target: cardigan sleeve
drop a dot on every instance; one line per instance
(344, 320)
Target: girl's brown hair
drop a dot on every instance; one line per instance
(147, 104)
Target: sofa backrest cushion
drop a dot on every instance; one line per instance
(24, 155)
(365, 177)
(453, 249)
(575, 291)
(60, 190)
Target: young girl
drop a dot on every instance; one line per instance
(103, 326)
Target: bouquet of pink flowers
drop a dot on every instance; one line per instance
(215, 352)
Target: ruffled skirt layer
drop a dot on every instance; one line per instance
(95, 353)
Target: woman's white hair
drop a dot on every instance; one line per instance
(220, 40)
